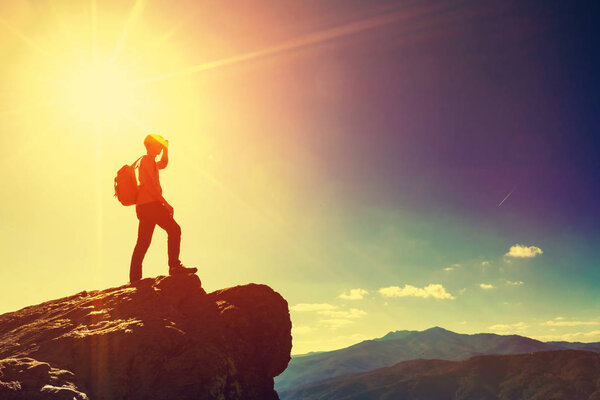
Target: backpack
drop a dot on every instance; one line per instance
(126, 187)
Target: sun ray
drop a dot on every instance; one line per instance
(64, 29)
(135, 13)
(296, 44)
(28, 42)
(99, 201)
(19, 153)
(270, 218)
(275, 222)
(94, 28)
(135, 121)
(156, 44)
(22, 108)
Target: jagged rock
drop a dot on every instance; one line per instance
(163, 338)
(28, 379)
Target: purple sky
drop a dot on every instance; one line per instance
(495, 97)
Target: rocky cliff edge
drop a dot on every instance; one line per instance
(163, 338)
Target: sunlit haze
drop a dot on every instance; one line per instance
(383, 165)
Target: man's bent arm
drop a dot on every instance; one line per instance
(164, 160)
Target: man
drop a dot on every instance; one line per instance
(152, 209)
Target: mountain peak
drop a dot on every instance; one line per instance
(163, 338)
(398, 346)
(392, 335)
(438, 329)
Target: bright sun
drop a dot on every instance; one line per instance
(96, 92)
(84, 71)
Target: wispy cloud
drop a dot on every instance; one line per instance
(434, 290)
(354, 294)
(485, 263)
(520, 251)
(556, 322)
(486, 286)
(313, 307)
(335, 323)
(339, 319)
(331, 316)
(519, 326)
(452, 267)
(591, 336)
(352, 313)
(513, 283)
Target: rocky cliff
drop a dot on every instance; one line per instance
(163, 338)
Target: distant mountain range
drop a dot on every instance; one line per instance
(435, 343)
(565, 374)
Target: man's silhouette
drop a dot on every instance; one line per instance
(152, 209)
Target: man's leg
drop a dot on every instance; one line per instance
(166, 221)
(145, 231)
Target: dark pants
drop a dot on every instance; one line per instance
(150, 215)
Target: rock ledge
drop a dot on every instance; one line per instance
(163, 338)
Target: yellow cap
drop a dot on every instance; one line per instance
(157, 138)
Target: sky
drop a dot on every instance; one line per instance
(383, 165)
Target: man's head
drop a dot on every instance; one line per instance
(155, 143)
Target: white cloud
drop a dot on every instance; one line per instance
(313, 307)
(486, 286)
(519, 326)
(434, 290)
(352, 313)
(569, 323)
(514, 283)
(356, 313)
(334, 317)
(592, 336)
(354, 294)
(520, 251)
(452, 267)
(335, 323)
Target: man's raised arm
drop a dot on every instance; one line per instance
(164, 160)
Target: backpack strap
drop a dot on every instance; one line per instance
(135, 162)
